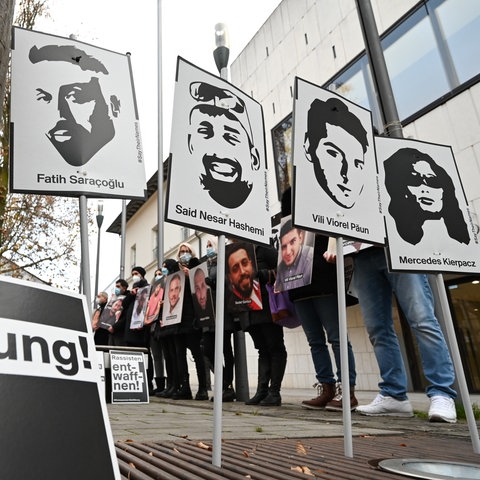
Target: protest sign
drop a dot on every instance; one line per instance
(129, 379)
(51, 388)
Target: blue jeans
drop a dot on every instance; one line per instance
(320, 315)
(374, 285)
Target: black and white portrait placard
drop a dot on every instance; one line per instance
(335, 172)
(218, 172)
(429, 225)
(52, 398)
(75, 127)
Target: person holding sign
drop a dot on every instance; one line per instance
(374, 284)
(267, 336)
(189, 335)
(208, 331)
(316, 305)
(335, 143)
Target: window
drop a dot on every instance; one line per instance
(155, 242)
(133, 256)
(282, 148)
(355, 84)
(459, 27)
(414, 64)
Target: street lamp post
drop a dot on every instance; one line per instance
(99, 218)
(220, 55)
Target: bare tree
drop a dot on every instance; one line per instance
(39, 232)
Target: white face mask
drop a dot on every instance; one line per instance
(136, 278)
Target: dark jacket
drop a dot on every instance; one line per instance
(188, 323)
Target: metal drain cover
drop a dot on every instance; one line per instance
(431, 469)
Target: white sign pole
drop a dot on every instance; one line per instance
(457, 362)
(219, 327)
(85, 256)
(342, 324)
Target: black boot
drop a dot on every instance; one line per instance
(168, 391)
(228, 394)
(184, 392)
(278, 365)
(273, 399)
(263, 381)
(160, 383)
(202, 394)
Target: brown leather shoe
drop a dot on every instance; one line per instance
(326, 392)
(335, 405)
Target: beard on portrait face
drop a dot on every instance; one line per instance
(228, 194)
(81, 145)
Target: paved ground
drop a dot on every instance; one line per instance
(169, 420)
(172, 440)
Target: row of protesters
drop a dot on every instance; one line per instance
(129, 330)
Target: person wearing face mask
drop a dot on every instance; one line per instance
(189, 335)
(166, 338)
(121, 291)
(101, 336)
(138, 337)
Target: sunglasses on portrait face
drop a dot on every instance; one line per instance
(415, 180)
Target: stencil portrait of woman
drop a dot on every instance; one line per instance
(420, 191)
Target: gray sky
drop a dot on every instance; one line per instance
(188, 31)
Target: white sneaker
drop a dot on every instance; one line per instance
(442, 409)
(386, 407)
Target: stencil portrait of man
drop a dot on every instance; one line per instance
(78, 114)
(335, 143)
(220, 138)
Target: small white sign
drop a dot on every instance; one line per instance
(129, 377)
